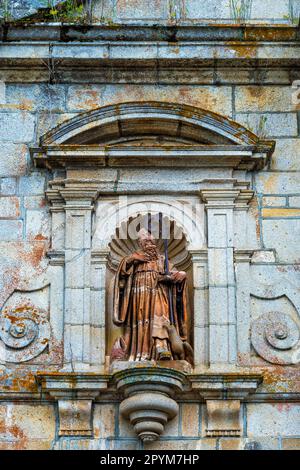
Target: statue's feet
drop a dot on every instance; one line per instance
(163, 355)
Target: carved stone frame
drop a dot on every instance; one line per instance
(72, 198)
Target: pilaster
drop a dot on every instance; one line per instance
(220, 205)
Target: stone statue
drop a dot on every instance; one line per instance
(150, 302)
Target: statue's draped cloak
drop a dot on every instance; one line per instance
(141, 305)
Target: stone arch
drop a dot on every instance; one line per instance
(178, 122)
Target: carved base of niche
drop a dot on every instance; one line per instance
(149, 398)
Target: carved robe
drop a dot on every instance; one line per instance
(141, 306)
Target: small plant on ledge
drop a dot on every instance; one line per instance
(241, 10)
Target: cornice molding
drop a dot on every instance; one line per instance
(236, 157)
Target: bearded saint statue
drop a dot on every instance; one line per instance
(143, 293)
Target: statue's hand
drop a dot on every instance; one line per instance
(178, 276)
(139, 258)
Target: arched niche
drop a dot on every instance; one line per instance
(91, 199)
(123, 245)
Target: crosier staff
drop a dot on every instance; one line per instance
(167, 273)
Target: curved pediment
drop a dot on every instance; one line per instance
(154, 121)
(151, 134)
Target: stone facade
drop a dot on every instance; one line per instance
(194, 106)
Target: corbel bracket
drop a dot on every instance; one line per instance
(74, 394)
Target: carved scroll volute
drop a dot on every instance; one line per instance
(275, 337)
(24, 334)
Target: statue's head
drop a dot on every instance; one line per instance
(146, 240)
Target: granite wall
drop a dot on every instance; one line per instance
(36, 98)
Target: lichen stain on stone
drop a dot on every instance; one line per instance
(18, 380)
(16, 439)
(270, 184)
(269, 34)
(89, 102)
(281, 379)
(248, 51)
(36, 254)
(40, 237)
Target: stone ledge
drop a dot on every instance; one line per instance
(129, 32)
(237, 157)
(72, 384)
(225, 385)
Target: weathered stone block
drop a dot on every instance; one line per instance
(270, 124)
(258, 98)
(274, 201)
(17, 126)
(231, 444)
(280, 234)
(261, 443)
(291, 444)
(223, 418)
(9, 207)
(280, 213)
(277, 183)
(139, 9)
(34, 202)
(270, 10)
(200, 9)
(82, 98)
(121, 444)
(104, 420)
(11, 230)
(190, 415)
(32, 97)
(182, 444)
(8, 186)
(294, 201)
(37, 225)
(13, 160)
(281, 418)
(286, 155)
(32, 184)
(27, 444)
(74, 306)
(35, 422)
(75, 417)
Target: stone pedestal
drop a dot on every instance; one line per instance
(149, 398)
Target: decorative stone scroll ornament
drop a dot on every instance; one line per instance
(24, 332)
(275, 337)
